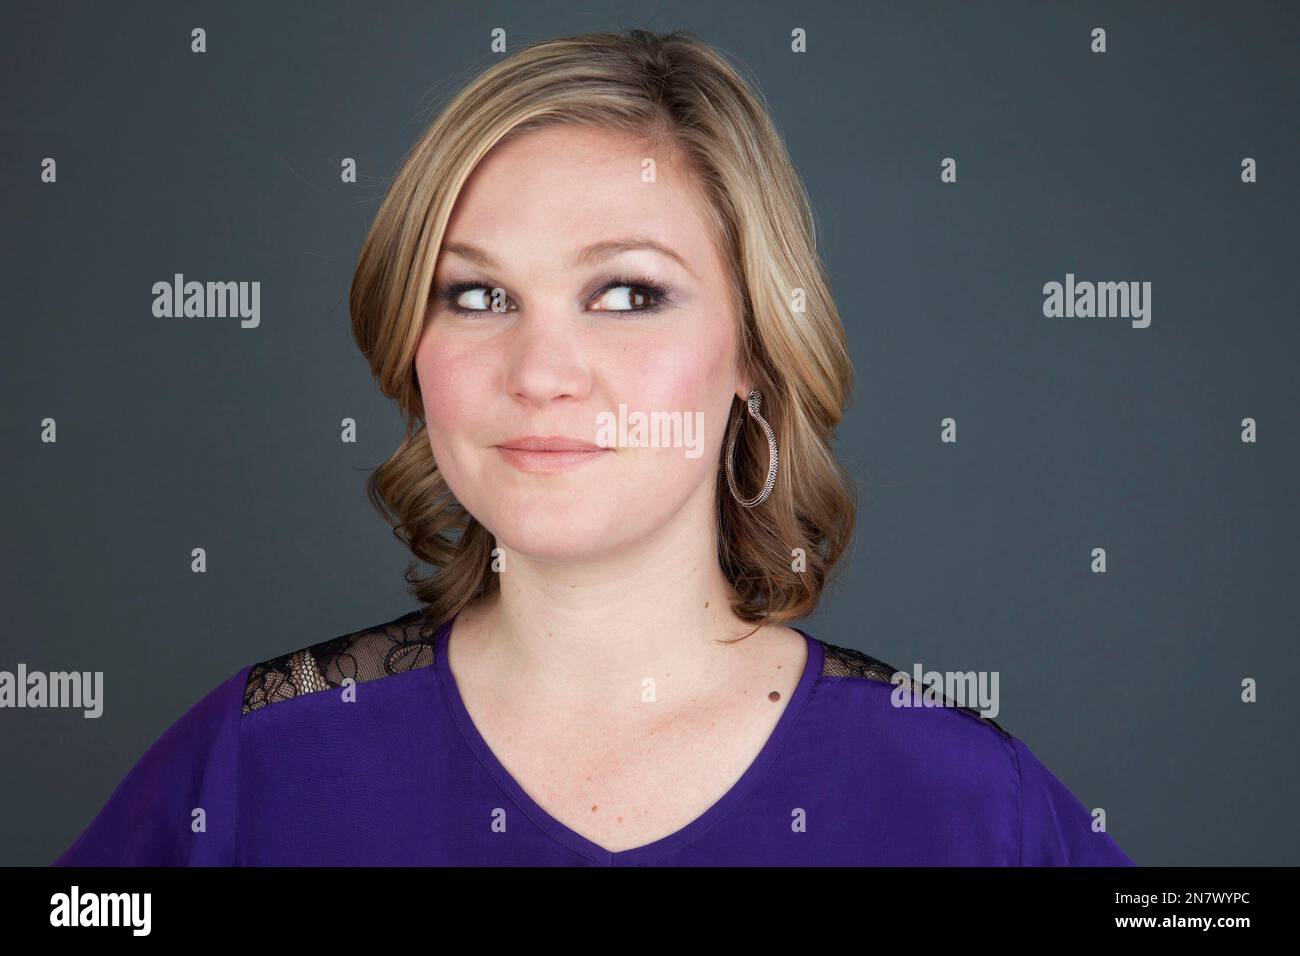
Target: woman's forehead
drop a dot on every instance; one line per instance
(592, 184)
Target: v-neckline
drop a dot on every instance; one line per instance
(666, 844)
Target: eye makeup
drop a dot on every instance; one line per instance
(660, 294)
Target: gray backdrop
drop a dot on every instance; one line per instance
(1073, 433)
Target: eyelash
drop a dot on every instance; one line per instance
(660, 293)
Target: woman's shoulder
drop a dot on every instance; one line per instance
(935, 731)
(873, 713)
(176, 805)
(966, 701)
(400, 645)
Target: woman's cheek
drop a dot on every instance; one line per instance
(665, 376)
(454, 396)
(452, 387)
(687, 379)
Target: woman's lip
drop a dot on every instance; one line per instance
(548, 443)
(549, 462)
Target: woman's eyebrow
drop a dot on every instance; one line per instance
(612, 247)
(592, 253)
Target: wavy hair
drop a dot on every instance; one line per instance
(676, 91)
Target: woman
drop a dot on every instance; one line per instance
(593, 289)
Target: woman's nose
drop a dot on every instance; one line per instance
(546, 356)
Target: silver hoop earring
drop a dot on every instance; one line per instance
(753, 403)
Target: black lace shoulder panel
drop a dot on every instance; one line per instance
(848, 662)
(402, 644)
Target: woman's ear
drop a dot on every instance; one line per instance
(746, 386)
(744, 372)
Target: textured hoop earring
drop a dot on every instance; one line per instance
(753, 404)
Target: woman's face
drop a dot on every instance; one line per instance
(553, 339)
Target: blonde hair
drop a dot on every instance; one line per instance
(675, 90)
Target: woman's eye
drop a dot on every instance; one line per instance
(618, 295)
(625, 297)
(468, 298)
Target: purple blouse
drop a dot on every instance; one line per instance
(288, 763)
